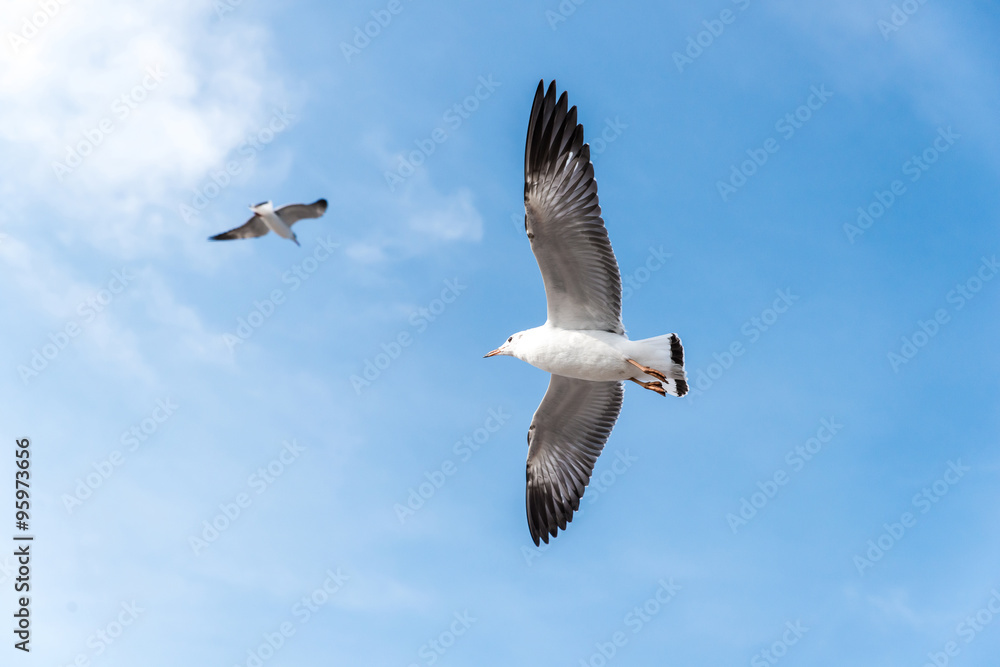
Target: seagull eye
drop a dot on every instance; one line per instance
(510, 339)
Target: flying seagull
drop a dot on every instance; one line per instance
(582, 343)
(266, 219)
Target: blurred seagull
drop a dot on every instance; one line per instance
(267, 219)
(582, 343)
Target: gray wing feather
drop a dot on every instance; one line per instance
(253, 227)
(295, 212)
(583, 284)
(567, 434)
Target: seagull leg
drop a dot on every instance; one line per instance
(648, 371)
(652, 386)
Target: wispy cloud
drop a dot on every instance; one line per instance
(119, 109)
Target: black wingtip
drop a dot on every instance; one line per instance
(676, 350)
(553, 130)
(540, 537)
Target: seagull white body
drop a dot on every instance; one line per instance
(598, 356)
(583, 342)
(273, 221)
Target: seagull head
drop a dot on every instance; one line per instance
(509, 348)
(263, 207)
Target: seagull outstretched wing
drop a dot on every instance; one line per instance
(251, 228)
(295, 212)
(566, 436)
(583, 285)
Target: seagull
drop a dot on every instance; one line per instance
(583, 342)
(280, 222)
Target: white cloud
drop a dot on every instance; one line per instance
(75, 312)
(415, 219)
(156, 93)
(449, 218)
(415, 215)
(139, 103)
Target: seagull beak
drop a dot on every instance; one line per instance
(493, 353)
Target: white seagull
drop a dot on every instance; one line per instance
(582, 343)
(280, 222)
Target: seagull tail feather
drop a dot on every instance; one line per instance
(666, 354)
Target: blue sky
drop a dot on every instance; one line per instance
(826, 495)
